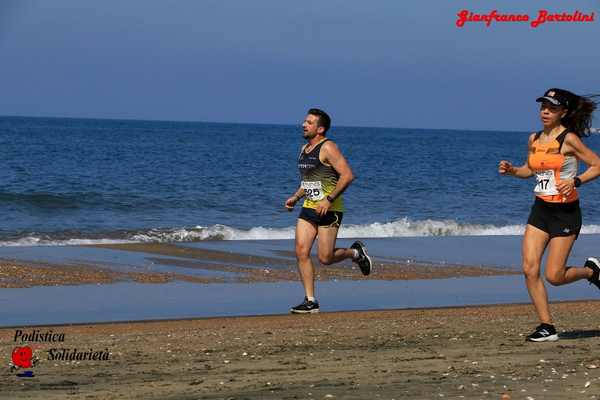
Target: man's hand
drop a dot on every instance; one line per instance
(291, 202)
(323, 207)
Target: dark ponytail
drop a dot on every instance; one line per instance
(579, 117)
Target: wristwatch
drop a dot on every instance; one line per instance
(330, 199)
(577, 181)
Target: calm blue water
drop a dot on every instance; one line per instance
(87, 303)
(71, 180)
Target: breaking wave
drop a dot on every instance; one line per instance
(400, 228)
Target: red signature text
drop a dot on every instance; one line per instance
(543, 16)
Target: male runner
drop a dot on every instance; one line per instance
(325, 174)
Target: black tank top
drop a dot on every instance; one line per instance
(318, 179)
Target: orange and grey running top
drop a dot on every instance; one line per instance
(318, 179)
(550, 166)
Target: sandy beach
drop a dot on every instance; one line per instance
(471, 352)
(468, 352)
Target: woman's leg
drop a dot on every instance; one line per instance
(534, 244)
(557, 272)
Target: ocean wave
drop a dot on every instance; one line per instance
(116, 201)
(44, 200)
(400, 228)
(39, 241)
(62, 201)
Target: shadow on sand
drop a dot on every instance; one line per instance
(592, 333)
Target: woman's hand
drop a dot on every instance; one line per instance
(505, 167)
(565, 187)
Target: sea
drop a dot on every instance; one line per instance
(89, 181)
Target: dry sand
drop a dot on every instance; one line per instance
(470, 352)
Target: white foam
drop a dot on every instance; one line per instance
(408, 228)
(400, 228)
(215, 232)
(35, 241)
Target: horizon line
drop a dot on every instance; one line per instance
(256, 123)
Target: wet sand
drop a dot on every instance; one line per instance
(20, 275)
(469, 352)
(243, 267)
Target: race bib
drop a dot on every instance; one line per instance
(546, 183)
(313, 190)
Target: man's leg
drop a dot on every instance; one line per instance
(305, 237)
(328, 253)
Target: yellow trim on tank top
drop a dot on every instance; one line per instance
(337, 205)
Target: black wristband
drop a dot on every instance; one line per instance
(577, 181)
(330, 199)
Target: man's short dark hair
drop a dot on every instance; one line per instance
(324, 118)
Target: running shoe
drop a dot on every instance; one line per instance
(543, 333)
(593, 264)
(306, 307)
(363, 260)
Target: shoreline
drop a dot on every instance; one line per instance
(88, 284)
(161, 263)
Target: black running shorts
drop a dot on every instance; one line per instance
(556, 219)
(331, 219)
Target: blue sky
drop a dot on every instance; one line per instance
(379, 63)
